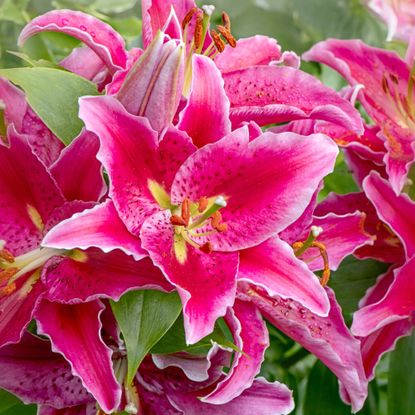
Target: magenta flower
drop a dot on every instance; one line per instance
(190, 208)
(37, 281)
(387, 96)
(388, 308)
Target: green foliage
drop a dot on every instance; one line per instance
(401, 385)
(53, 94)
(144, 317)
(10, 405)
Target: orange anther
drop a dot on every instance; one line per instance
(219, 43)
(203, 204)
(226, 21)
(216, 219)
(188, 17)
(177, 221)
(186, 211)
(6, 255)
(227, 35)
(7, 274)
(7, 290)
(206, 248)
(198, 36)
(222, 227)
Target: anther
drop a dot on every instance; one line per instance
(385, 85)
(219, 43)
(188, 17)
(7, 274)
(206, 248)
(177, 221)
(326, 270)
(198, 36)
(226, 21)
(222, 227)
(7, 290)
(216, 219)
(227, 35)
(202, 204)
(7, 256)
(186, 211)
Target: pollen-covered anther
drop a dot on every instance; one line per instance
(188, 17)
(7, 274)
(217, 40)
(7, 256)
(202, 204)
(216, 222)
(7, 290)
(198, 35)
(227, 35)
(177, 220)
(186, 211)
(206, 248)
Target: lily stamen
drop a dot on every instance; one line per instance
(227, 35)
(7, 256)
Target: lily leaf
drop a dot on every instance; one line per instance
(53, 94)
(10, 405)
(144, 317)
(402, 378)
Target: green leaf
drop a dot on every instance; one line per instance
(14, 11)
(352, 279)
(53, 94)
(402, 378)
(10, 405)
(322, 395)
(144, 317)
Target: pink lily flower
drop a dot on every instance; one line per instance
(388, 308)
(387, 96)
(271, 93)
(37, 281)
(399, 16)
(189, 208)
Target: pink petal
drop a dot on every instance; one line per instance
(75, 333)
(265, 190)
(97, 35)
(206, 115)
(35, 374)
(73, 410)
(98, 227)
(206, 282)
(153, 86)
(15, 102)
(99, 275)
(262, 398)
(381, 341)
(271, 94)
(85, 182)
(273, 266)
(156, 12)
(326, 337)
(17, 309)
(132, 156)
(396, 211)
(341, 236)
(251, 337)
(251, 51)
(28, 195)
(397, 304)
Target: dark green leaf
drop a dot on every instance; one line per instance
(53, 94)
(10, 405)
(144, 317)
(351, 281)
(402, 378)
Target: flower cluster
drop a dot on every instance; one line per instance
(198, 172)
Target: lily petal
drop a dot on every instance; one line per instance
(234, 167)
(271, 94)
(206, 115)
(326, 337)
(273, 266)
(85, 182)
(97, 35)
(75, 333)
(206, 282)
(35, 374)
(396, 211)
(251, 337)
(73, 410)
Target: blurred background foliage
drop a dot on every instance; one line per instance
(297, 24)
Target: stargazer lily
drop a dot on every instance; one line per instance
(37, 281)
(189, 61)
(387, 96)
(194, 210)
